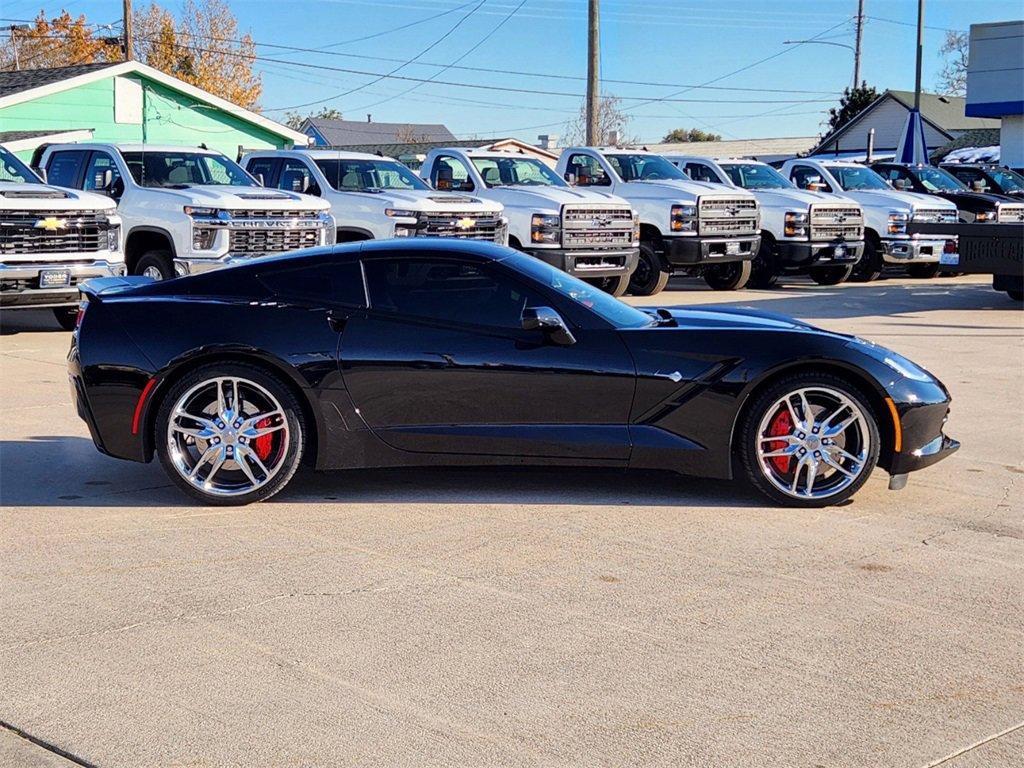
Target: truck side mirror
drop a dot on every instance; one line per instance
(978, 185)
(570, 178)
(312, 188)
(444, 179)
(106, 180)
(259, 179)
(900, 184)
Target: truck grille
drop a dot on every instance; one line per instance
(250, 241)
(725, 216)
(1010, 214)
(275, 215)
(474, 225)
(935, 216)
(597, 227)
(834, 222)
(74, 232)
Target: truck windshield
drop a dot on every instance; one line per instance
(13, 170)
(368, 175)
(516, 171)
(853, 179)
(645, 168)
(935, 179)
(755, 176)
(1008, 181)
(185, 169)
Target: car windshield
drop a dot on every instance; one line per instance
(1008, 181)
(936, 179)
(856, 178)
(185, 169)
(644, 168)
(755, 176)
(359, 175)
(604, 305)
(13, 170)
(516, 171)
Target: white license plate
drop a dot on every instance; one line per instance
(54, 278)
(949, 259)
(732, 248)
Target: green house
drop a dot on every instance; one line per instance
(126, 102)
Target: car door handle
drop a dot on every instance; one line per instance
(337, 320)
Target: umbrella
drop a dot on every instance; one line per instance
(912, 147)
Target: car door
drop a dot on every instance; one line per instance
(440, 363)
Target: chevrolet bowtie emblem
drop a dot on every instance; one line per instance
(50, 224)
(466, 223)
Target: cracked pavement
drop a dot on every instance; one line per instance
(525, 617)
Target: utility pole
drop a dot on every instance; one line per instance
(920, 53)
(14, 45)
(860, 37)
(129, 39)
(593, 74)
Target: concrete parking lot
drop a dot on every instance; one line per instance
(525, 618)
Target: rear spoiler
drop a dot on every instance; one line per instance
(99, 287)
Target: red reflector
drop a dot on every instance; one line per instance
(949, 247)
(138, 406)
(82, 306)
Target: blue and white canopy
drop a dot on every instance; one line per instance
(912, 147)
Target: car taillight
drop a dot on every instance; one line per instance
(82, 306)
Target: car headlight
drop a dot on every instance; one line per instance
(908, 369)
(545, 228)
(983, 216)
(898, 222)
(683, 218)
(205, 213)
(114, 238)
(636, 229)
(400, 213)
(795, 224)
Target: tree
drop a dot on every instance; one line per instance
(58, 42)
(684, 135)
(612, 124)
(853, 102)
(953, 77)
(295, 119)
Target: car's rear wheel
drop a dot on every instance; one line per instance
(651, 274)
(730, 276)
(230, 434)
(156, 264)
(66, 317)
(869, 266)
(923, 271)
(615, 285)
(831, 275)
(809, 440)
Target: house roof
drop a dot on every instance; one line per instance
(759, 148)
(356, 132)
(411, 149)
(979, 137)
(26, 85)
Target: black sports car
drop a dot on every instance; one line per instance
(423, 353)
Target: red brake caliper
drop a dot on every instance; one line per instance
(782, 424)
(265, 443)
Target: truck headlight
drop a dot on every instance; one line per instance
(114, 238)
(400, 213)
(898, 222)
(205, 213)
(545, 228)
(636, 229)
(984, 216)
(683, 218)
(795, 224)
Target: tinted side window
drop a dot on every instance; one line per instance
(588, 171)
(100, 163)
(295, 176)
(449, 291)
(450, 173)
(701, 172)
(261, 166)
(324, 283)
(63, 168)
(968, 176)
(803, 175)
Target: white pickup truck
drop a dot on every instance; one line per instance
(592, 235)
(684, 225)
(374, 198)
(802, 232)
(886, 213)
(52, 239)
(186, 209)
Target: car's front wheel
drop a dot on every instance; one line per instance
(651, 274)
(230, 434)
(727, 277)
(869, 267)
(831, 275)
(615, 285)
(923, 271)
(809, 440)
(156, 264)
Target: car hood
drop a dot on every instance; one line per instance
(46, 197)
(245, 198)
(733, 318)
(552, 197)
(674, 188)
(965, 197)
(796, 197)
(427, 200)
(897, 198)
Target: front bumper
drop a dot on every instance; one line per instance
(580, 263)
(922, 409)
(19, 282)
(805, 254)
(912, 251)
(697, 250)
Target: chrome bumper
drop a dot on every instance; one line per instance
(19, 286)
(919, 250)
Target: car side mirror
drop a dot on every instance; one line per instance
(900, 184)
(41, 173)
(116, 188)
(978, 185)
(570, 178)
(550, 323)
(312, 189)
(259, 179)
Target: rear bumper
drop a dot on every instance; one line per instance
(580, 263)
(19, 283)
(792, 254)
(692, 251)
(912, 251)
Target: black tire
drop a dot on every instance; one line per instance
(831, 275)
(759, 408)
(1016, 295)
(764, 269)
(158, 262)
(923, 271)
(616, 285)
(730, 276)
(66, 317)
(651, 274)
(869, 267)
(292, 448)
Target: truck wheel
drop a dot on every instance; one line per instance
(869, 267)
(651, 274)
(156, 264)
(66, 317)
(615, 285)
(923, 271)
(764, 272)
(831, 275)
(727, 277)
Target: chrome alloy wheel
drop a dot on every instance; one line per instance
(153, 272)
(813, 443)
(227, 436)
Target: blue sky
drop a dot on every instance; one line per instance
(672, 43)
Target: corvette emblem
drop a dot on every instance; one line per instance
(466, 223)
(50, 224)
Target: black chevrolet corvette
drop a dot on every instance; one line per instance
(397, 353)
